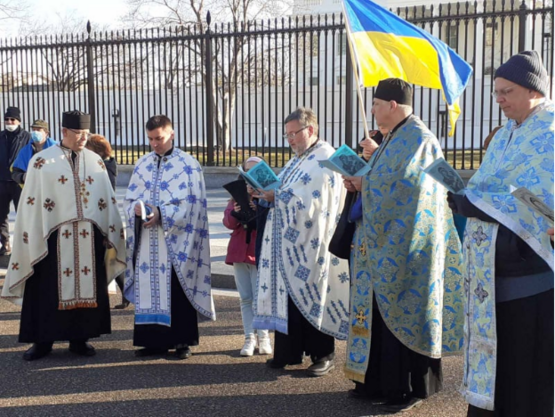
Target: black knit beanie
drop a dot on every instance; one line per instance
(525, 69)
(13, 112)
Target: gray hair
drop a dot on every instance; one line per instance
(305, 116)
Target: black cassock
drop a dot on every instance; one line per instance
(42, 321)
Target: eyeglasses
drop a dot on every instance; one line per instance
(293, 134)
(502, 93)
(80, 134)
(9, 119)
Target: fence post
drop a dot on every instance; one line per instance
(522, 26)
(349, 97)
(90, 80)
(209, 93)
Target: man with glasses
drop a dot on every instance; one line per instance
(69, 243)
(509, 254)
(168, 252)
(12, 139)
(303, 290)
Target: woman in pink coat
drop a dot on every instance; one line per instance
(240, 254)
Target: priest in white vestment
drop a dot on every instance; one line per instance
(68, 245)
(303, 290)
(168, 251)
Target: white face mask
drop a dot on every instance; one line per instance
(11, 128)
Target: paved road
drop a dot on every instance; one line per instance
(216, 381)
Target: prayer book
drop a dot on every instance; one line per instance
(261, 177)
(446, 175)
(346, 162)
(532, 201)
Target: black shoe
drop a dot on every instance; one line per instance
(150, 352)
(183, 352)
(37, 351)
(5, 251)
(359, 395)
(399, 406)
(82, 348)
(320, 368)
(121, 306)
(272, 363)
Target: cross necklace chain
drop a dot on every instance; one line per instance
(83, 192)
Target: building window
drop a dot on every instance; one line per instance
(313, 80)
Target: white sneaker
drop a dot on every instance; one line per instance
(248, 347)
(264, 346)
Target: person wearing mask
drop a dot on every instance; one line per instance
(40, 139)
(12, 139)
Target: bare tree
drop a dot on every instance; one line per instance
(228, 60)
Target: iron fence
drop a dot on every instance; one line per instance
(228, 87)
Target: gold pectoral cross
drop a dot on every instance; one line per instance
(361, 317)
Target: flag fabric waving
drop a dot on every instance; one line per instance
(387, 46)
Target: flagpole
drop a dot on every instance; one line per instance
(354, 62)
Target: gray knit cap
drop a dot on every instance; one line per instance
(525, 69)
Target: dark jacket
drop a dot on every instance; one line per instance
(10, 145)
(112, 169)
(513, 257)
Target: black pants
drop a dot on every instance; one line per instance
(395, 371)
(9, 191)
(120, 281)
(303, 338)
(184, 324)
(524, 378)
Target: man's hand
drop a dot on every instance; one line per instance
(352, 184)
(236, 208)
(269, 195)
(551, 232)
(369, 146)
(138, 209)
(154, 217)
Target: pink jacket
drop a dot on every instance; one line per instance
(238, 251)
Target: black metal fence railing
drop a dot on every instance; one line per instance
(228, 88)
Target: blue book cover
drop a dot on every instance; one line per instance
(346, 162)
(261, 177)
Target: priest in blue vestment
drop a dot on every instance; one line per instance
(406, 283)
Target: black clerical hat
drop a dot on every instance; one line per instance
(76, 120)
(394, 89)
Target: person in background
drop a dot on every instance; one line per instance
(100, 145)
(241, 254)
(12, 139)
(40, 139)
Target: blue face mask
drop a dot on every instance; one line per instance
(36, 137)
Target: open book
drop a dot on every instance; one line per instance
(346, 162)
(445, 174)
(261, 177)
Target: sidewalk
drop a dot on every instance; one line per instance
(222, 274)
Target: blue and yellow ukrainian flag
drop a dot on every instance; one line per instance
(386, 46)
